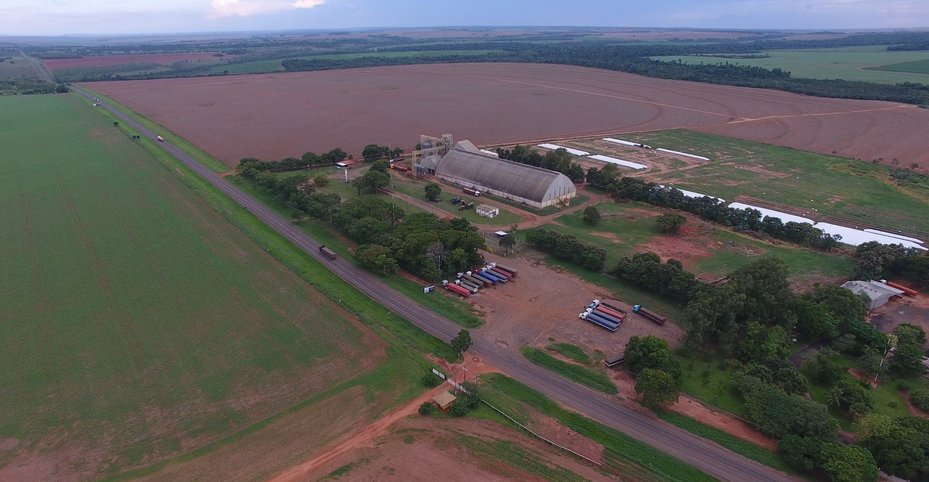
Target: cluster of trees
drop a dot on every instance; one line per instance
(876, 261)
(558, 160)
(657, 372)
(670, 223)
(604, 177)
(713, 209)
(668, 279)
(373, 152)
(749, 321)
(900, 445)
(31, 87)
(568, 248)
(419, 243)
(307, 160)
(375, 179)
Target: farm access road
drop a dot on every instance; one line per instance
(701, 453)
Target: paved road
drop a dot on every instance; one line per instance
(701, 453)
(40, 69)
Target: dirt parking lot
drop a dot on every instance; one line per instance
(542, 305)
(914, 311)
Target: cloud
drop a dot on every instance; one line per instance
(245, 8)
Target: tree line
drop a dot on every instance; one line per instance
(389, 239)
(307, 160)
(558, 160)
(567, 247)
(877, 261)
(715, 210)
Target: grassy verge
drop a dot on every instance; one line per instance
(512, 455)
(454, 309)
(190, 149)
(585, 376)
(731, 442)
(624, 455)
(571, 351)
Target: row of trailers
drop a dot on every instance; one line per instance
(604, 315)
(471, 282)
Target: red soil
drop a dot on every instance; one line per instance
(128, 59)
(278, 115)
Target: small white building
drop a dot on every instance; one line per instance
(487, 211)
(879, 293)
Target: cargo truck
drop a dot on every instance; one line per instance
(608, 316)
(473, 192)
(456, 289)
(467, 285)
(481, 283)
(512, 271)
(598, 320)
(327, 252)
(501, 273)
(649, 314)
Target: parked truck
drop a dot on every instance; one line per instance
(512, 271)
(486, 277)
(474, 279)
(456, 289)
(498, 278)
(473, 192)
(327, 252)
(609, 309)
(501, 273)
(467, 285)
(598, 320)
(649, 314)
(606, 315)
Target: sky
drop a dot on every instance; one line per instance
(61, 17)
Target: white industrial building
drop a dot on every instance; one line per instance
(467, 166)
(879, 293)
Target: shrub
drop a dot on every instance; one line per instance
(430, 380)
(426, 408)
(920, 398)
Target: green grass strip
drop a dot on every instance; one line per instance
(731, 442)
(573, 352)
(585, 376)
(618, 447)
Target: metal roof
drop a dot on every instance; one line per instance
(520, 180)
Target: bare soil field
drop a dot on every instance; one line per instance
(420, 448)
(128, 59)
(272, 116)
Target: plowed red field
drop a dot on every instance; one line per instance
(278, 115)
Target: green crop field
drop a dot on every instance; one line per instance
(138, 323)
(706, 249)
(914, 67)
(867, 63)
(815, 185)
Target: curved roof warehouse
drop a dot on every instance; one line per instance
(465, 165)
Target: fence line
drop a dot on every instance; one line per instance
(566, 449)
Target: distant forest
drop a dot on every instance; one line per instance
(583, 49)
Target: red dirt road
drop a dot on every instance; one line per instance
(278, 115)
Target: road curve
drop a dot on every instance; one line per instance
(701, 453)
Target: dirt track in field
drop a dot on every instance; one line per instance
(273, 116)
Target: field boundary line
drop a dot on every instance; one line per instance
(562, 447)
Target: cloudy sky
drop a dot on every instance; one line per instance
(48, 17)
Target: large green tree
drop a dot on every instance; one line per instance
(433, 191)
(462, 341)
(644, 352)
(656, 387)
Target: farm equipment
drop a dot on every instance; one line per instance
(456, 289)
(649, 314)
(327, 252)
(465, 205)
